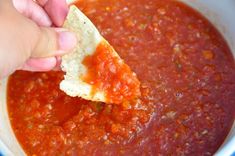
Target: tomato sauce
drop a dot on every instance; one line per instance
(187, 75)
(106, 72)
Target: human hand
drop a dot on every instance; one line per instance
(27, 40)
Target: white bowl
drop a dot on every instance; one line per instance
(221, 13)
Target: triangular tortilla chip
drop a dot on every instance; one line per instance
(85, 77)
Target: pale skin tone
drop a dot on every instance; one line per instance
(27, 39)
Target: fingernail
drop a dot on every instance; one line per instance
(67, 40)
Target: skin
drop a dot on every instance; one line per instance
(28, 41)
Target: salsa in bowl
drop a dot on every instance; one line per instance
(187, 75)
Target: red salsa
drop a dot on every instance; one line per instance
(187, 102)
(108, 73)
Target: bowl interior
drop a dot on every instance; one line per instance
(220, 13)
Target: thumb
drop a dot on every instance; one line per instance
(53, 42)
(22, 39)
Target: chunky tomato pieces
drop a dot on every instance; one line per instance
(187, 75)
(108, 73)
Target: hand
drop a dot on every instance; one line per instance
(27, 40)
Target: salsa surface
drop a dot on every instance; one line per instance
(187, 76)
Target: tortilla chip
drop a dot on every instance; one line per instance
(88, 40)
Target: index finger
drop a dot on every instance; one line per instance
(33, 11)
(56, 9)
